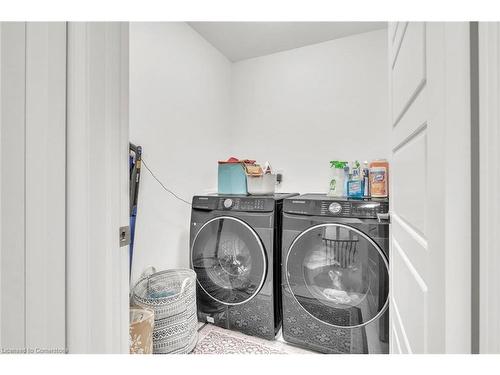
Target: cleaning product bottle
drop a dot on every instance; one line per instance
(346, 178)
(356, 170)
(336, 188)
(379, 178)
(354, 185)
(366, 180)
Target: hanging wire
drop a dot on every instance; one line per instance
(163, 186)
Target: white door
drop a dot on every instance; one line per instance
(430, 187)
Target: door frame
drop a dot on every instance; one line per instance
(488, 286)
(64, 279)
(97, 284)
(32, 186)
(458, 189)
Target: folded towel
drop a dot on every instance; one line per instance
(161, 294)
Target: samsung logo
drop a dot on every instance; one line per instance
(203, 198)
(302, 202)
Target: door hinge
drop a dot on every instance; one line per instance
(124, 236)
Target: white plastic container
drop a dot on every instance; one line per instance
(262, 185)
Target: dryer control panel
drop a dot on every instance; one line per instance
(321, 205)
(234, 203)
(244, 204)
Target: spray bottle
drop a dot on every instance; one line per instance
(354, 185)
(366, 180)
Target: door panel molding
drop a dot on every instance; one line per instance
(410, 165)
(399, 32)
(392, 30)
(417, 311)
(399, 330)
(409, 72)
(406, 237)
(395, 343)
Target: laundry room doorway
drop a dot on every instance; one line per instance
(398, 91)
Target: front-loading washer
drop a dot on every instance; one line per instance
(335, 276)
(236, 254)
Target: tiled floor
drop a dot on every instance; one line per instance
(216, 340)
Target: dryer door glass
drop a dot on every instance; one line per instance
(229, 260)
(338, 275)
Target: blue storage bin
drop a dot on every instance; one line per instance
(232, 179)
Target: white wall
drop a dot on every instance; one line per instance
(301, 108)
(189, 107)
(179, 100)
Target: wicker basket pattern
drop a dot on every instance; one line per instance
(171, 294)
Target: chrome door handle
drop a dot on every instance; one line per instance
(384, 217)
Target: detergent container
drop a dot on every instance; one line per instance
(337, 179)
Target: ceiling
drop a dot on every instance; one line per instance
(244, 40)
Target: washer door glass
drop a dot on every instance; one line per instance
(338, 275)
(229, 260)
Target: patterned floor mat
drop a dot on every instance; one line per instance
(216, 340)
(219, 343)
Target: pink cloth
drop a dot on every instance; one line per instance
(233, 160)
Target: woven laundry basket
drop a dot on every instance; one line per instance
(171, 294)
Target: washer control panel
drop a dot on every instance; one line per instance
(341, 207)
(245, 204)
(236, 203)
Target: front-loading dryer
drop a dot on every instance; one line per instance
(336, 274)
(236, 254)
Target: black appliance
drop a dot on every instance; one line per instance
(236, 253)
(336, 274)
